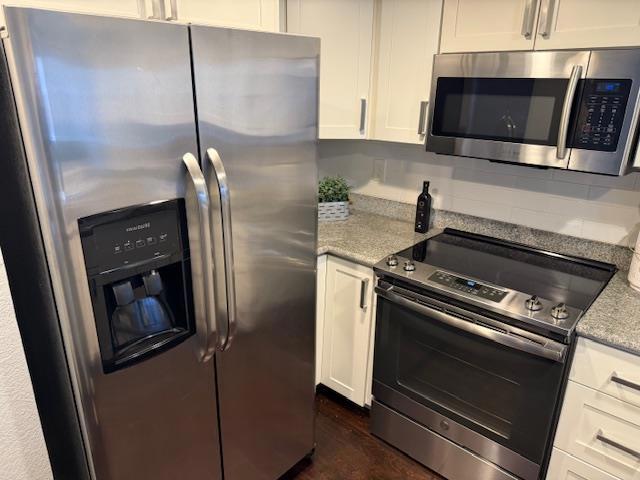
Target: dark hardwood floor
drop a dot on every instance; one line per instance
(347, 451)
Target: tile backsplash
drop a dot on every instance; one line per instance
(583, 205)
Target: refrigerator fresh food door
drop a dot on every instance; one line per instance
(257, 106)
(106, 110)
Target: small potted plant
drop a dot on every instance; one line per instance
(333, 193)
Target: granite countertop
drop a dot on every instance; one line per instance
(614, 318)
(365, 238)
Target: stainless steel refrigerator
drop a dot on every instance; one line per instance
(172, 169)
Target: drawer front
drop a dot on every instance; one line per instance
(601, 431)
(606, 369)
(567, 467)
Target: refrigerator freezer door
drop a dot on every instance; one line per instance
(106, 110)
(257, 104)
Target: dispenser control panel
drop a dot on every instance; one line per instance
(121, 240)
(601, 114)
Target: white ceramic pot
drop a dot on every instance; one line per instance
(332, 211)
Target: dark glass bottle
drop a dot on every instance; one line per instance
(423, 209)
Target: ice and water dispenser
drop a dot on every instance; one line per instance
(137, 263)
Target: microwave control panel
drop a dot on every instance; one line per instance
(601, 114)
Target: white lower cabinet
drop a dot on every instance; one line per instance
(598, 436)
(567, 467)
(346, 322)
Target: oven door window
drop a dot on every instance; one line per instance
(516, 110)
(505, 394)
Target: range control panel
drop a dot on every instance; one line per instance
(467, 286)
(601, 114)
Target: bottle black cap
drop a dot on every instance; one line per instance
(425, 186)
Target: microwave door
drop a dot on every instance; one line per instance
(605, 135)
(512, 107)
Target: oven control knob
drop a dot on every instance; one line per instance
(392, 261)
(534, 304)
(560, 311)
(409, 266)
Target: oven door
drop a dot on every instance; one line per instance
(509, 106)
(500, 384)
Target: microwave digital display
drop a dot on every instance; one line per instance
(608, 87)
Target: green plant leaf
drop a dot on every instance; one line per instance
(333, 189)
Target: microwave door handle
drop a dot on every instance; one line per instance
(555, 354)
(563, 129)
(216, 166)
(198, 223)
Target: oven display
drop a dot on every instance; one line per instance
(468, 286)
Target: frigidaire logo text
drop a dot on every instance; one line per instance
(140, 226)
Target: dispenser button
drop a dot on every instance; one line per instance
(117, 249)
(163, 237)
(151, 240)
(140, 243)
(128, 245)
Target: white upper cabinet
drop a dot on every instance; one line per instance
(251, 14)
(121, 8)
(407, 39)
(488, 25)
(345, 28)
(588, 24)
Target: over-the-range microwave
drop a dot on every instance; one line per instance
(576, 110)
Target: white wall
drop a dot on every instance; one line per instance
(23, 454)
(589, 206)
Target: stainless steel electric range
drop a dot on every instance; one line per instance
(473, 341)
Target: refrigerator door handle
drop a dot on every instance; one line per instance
(199, 226)
(216, 167)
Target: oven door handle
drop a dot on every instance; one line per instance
(551, 350)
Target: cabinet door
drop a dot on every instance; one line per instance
(124, 8)
(588, 24)
(407, 40)
(488, 25)
(601, 430)
(251, 14)
(347, 328)
(346, 29)
(567, 467)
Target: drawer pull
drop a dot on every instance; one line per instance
(600, 436)
(622, 381)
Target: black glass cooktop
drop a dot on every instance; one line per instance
(560, 278)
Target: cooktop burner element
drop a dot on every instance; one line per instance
(546, 290)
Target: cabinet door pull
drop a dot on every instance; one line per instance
(364, 286)
(363, 114)
(546, 18)
(612, 443)
(527, 21)
(157, 10)
(623, 381)
(422, 120)
(174, 10)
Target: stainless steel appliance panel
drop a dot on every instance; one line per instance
(614, 64)
(441, 455)
(106, 111)
(546, 65)
(257, 105)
